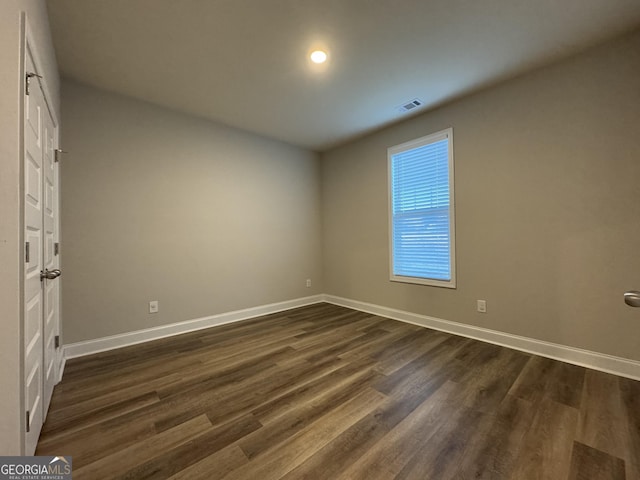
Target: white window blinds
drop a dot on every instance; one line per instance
(421, 185)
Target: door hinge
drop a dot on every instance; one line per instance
(56, 341)
(58, 154)
(30, 75)
(26, 252)
(56, 248)
(28, 421)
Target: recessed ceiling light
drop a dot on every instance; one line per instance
(318, 56)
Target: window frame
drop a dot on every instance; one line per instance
(403, 147)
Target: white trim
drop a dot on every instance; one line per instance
(23, 81)
(576, 356)
(89, 347)
(62, 361)
(446, 134)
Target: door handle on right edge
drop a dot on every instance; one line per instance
(632, 298)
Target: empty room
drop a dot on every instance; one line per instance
(320, 239)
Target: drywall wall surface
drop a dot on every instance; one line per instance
(547, 184)
(162, 206)
(11, 98)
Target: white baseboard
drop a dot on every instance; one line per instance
(61, 363)
(90, 347)
(584, 358)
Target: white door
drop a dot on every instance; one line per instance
(41, 296)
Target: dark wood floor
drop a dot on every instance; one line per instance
(324, 392)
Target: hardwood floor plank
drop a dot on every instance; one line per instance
(603, 420)
(345, 346)
(548, 444)
(118, 464)
(441, 459)
(351, 376)
(406, 349)
(591, 464)
(237, 347)
(335, 457)
(489, 377)
(325, 392)
(245, 397)
(439, 359)
(532, 382)
(208, 378)
(345, 321)
(283, 457)
(81, 389)
(97, 441)
(80, 416)
(184, 455)
(179, 408)
(610, 420)
(566, 384)
(375, 346)
(237, 396)
(492, 456)
(387, 457)
(214, 467)
(301, 413)
(630, 392)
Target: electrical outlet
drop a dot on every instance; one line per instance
(154, 306)
(482, 306)
(308, 282)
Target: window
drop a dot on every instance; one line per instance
(421, 206)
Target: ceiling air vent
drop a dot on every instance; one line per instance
(411, 105)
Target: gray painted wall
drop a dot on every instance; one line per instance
(547, 172)
(11, 84)
(158, 205)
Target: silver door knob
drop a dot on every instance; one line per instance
(632, 298)
(50, 274)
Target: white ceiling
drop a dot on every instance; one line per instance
(244, 62)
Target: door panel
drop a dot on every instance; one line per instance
(33, 223)
(50, 227)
